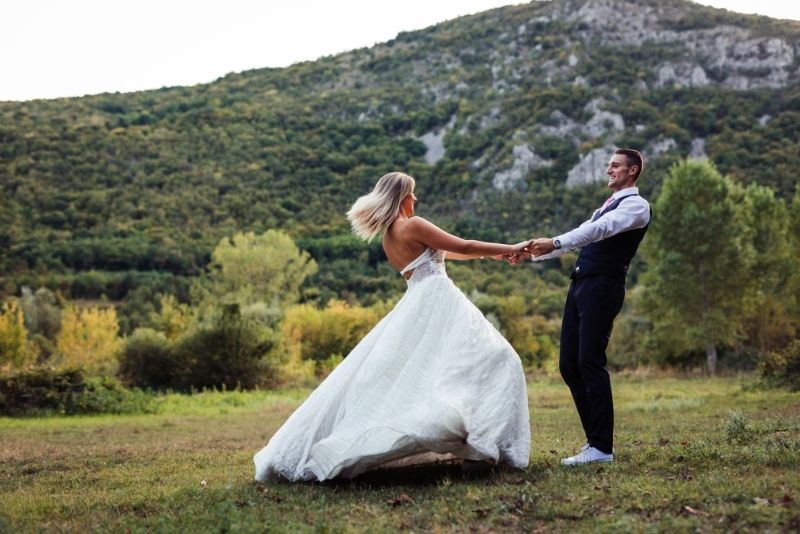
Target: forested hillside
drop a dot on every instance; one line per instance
(506, 118)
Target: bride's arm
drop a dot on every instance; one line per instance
(430, 235)
(457, 256)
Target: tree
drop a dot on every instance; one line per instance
(628, 344)
(42, 319)
(793, 285)
(173, 319)
(88, 339)
(769, 324)
(15, 348)
(700, 253)
(42, 314)
(249, 268)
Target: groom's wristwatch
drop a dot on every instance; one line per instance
(556, 244)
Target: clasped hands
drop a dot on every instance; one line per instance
(527, 249)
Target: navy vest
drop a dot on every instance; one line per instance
(611, 256)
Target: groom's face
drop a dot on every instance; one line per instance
(620, 174)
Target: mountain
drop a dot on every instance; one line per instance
(506, 119)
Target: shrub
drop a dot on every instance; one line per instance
(325, 336)
(325, 367)
(781, 368)
(43, 390)
(228, 351)
(526, 333)
(148, 360)
(232, 351)
(737, 429)
(107, 395)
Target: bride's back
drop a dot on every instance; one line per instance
(400, 248)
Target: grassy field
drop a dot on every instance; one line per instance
(692, 454)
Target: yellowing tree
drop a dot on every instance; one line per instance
(248, 268)
(15, 348)
(174, 318)
(88, 339)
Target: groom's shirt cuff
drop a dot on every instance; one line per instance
(566, 245)
(554, 254)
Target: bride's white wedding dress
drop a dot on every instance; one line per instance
(434, 379)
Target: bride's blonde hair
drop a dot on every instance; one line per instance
(372, 213)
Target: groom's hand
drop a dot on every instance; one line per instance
(541, 246)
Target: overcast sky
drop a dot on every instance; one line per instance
(54, 48)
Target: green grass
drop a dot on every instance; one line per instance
(691, 454)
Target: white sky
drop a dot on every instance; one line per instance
(54, 48)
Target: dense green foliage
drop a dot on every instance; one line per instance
(228, 350)
(249, 268)
(148, 360)
(137, 188)
(700, 257)
(124, 197)
(781, 368)
(773, 307)
(67, 392)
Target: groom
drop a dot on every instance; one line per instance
(608, 242)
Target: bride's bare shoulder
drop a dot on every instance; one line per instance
(418, 222)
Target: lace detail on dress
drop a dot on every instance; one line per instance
(429, 263)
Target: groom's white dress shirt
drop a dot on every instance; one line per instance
(632, 213)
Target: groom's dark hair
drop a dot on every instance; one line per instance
(634, 158)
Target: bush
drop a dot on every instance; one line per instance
(781, 368)
(230, 351)
(737, 429)
(38, 391)
(108, 395)
(148, 360)
(325, 336)
(529, 333)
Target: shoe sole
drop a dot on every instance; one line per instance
(603, 461)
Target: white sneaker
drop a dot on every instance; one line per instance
(589, 455)
(585, 446)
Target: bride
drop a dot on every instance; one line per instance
(433, 380)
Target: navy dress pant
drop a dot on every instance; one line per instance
(592, 304)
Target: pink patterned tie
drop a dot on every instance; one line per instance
(599, 212)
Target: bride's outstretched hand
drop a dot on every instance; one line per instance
(521, 252)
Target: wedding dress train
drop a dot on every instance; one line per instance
(433, 379)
